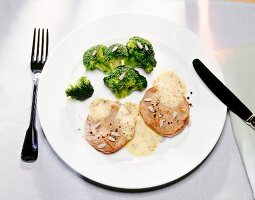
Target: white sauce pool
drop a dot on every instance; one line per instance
(145, 140)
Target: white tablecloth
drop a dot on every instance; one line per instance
(219, 24)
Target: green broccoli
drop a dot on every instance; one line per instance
(94, 58)
(80, 91)
(141, 54)
(124, 80)
(116, 55)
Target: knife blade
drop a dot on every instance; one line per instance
(223, 93)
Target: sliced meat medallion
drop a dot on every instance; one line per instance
(166, 121)
(109, 126)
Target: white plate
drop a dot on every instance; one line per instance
(61, 119)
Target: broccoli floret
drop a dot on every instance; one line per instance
(80, 91)
(94, 58)
(124, 80)
(141, 54)
(116, 55)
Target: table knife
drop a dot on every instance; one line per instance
(223, 93)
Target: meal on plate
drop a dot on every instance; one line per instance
(163, 111)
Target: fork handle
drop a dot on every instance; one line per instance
(30, 146)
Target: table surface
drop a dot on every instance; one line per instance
(220, 24)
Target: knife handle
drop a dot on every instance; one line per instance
(251, 121)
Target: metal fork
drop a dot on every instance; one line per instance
(30, 146)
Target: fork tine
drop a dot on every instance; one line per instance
(33, 46)
(38, 43)
(42, 45)
(47, 44)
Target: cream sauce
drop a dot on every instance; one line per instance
(126, 122)
(171, 89)
(145, 140)
(100, 108)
